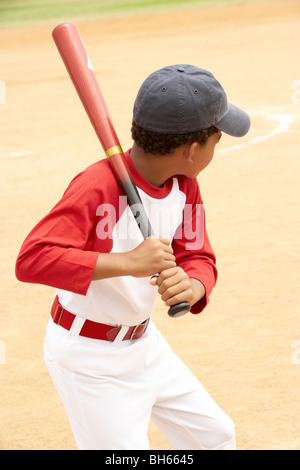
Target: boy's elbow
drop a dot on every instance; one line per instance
(25, 267)
(20, 270)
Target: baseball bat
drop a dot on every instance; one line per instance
(73, 53)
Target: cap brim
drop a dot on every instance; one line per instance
(235, 122)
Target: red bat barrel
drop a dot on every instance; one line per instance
(77, 63)
(73, 53)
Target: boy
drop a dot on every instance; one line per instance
(112, 368)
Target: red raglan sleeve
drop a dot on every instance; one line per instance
(54, 253)
(191, 244)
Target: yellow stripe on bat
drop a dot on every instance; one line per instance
(113, 151)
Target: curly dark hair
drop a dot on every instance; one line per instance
(162, 144)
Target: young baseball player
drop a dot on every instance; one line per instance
(111, 366)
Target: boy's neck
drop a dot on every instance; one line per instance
(155, 169)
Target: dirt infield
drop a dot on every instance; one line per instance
(245, 347)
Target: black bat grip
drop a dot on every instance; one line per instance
(179, 310)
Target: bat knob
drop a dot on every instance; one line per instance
(179, 310)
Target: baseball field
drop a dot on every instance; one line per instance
(245, 347)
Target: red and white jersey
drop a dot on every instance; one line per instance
(93, 217)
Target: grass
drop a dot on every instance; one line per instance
(14, 12)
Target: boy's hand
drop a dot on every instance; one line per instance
(152, 256)
(175, 286)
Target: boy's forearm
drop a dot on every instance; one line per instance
(153, 255)
(110, 265)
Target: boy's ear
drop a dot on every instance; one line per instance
(189, 153)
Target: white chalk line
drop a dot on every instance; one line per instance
(282, 122)
(21, 153)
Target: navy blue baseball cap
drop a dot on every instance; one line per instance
(182, 98)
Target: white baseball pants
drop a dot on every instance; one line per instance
(110, 392)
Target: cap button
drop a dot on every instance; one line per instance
(180, 69)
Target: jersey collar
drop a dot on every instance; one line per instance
(142, 183)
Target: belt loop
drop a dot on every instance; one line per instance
(76, 326)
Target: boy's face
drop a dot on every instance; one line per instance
(203, 155)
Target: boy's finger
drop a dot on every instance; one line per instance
(153, 280)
